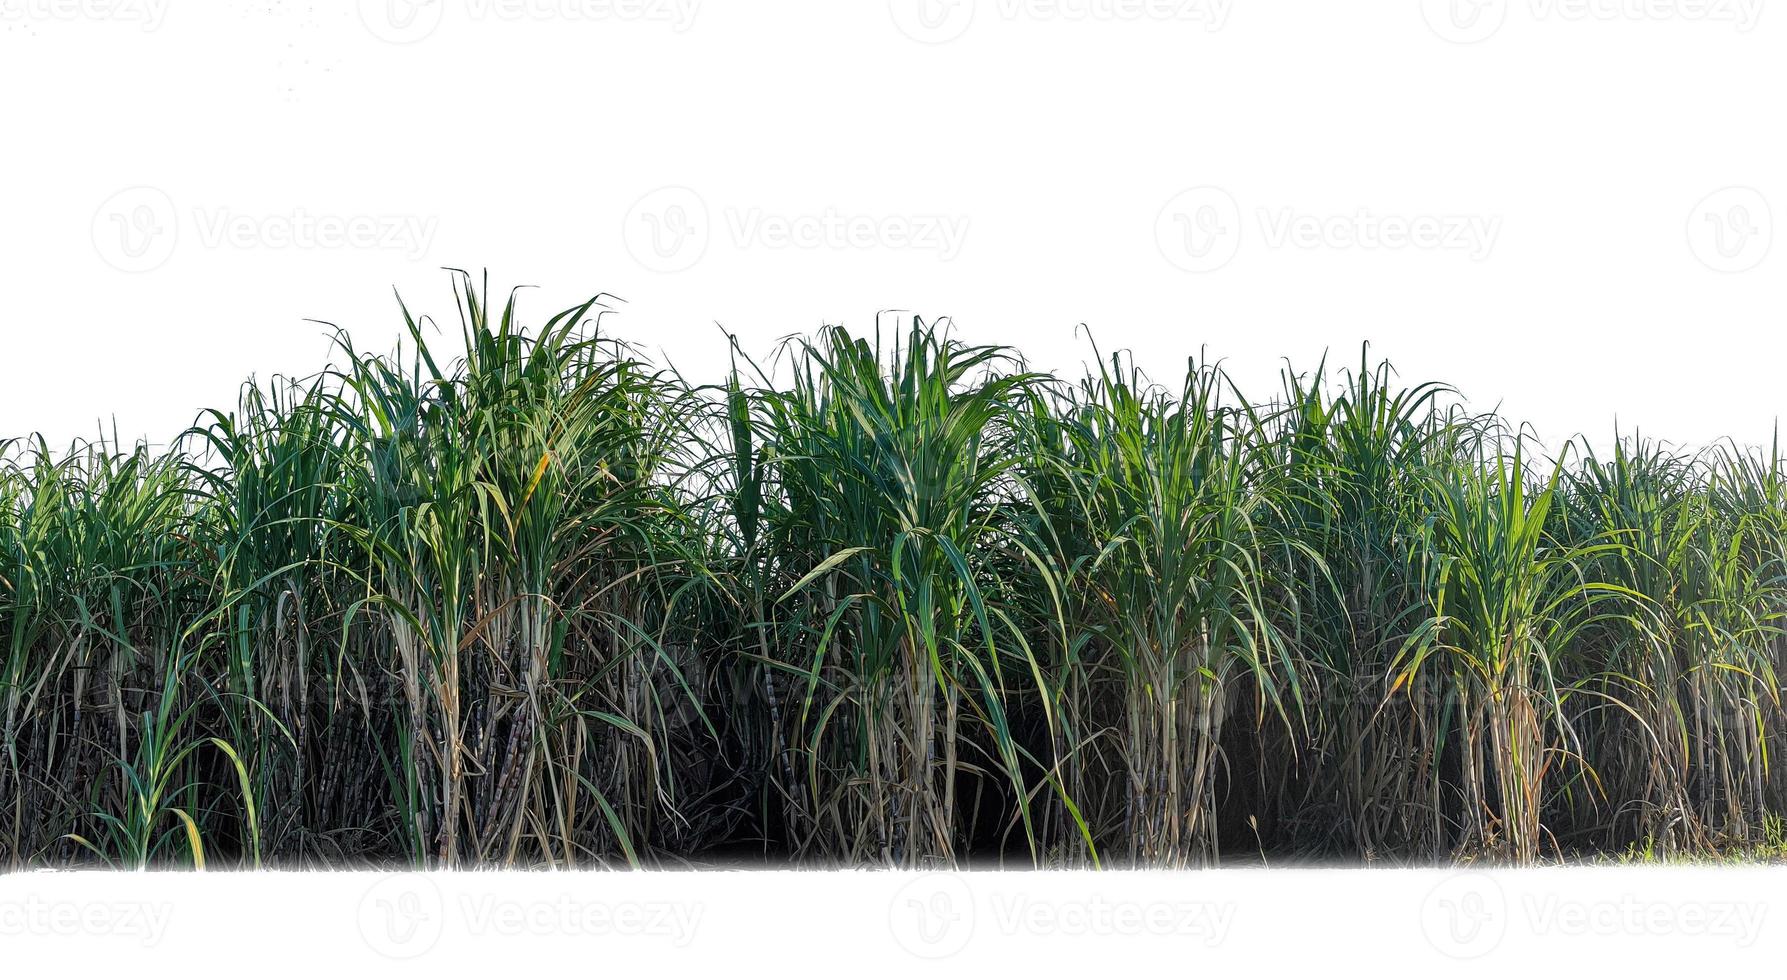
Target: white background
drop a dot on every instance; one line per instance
(529, 136)
(1609, 922)
(184, 185)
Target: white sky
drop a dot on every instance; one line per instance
(1039, 168)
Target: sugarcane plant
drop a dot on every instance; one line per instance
(517, 596)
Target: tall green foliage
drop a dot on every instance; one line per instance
(515, 596)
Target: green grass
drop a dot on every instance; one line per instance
(522, 597)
